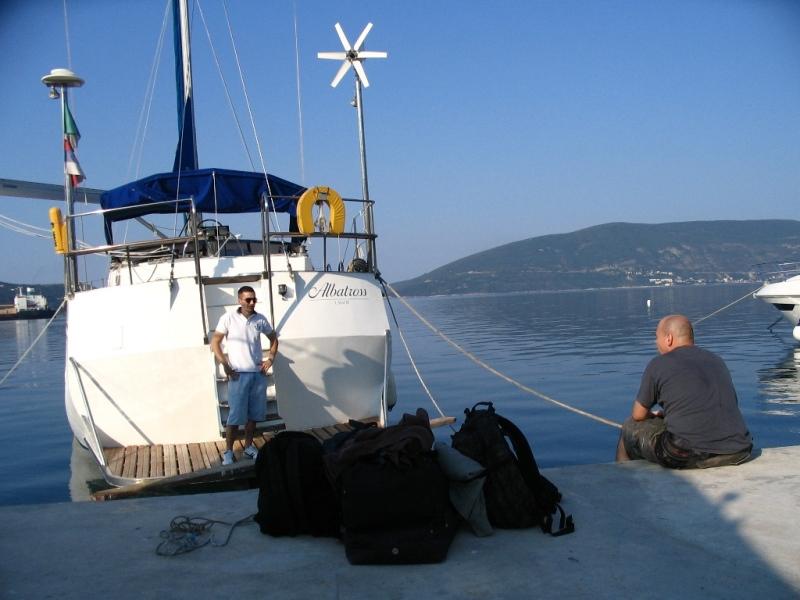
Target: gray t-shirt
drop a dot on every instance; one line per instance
(701, 410)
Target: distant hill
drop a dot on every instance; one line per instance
(54, 292)
(617, 255)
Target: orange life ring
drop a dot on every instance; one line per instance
(315, 195)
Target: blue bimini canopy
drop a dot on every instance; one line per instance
(212, 190)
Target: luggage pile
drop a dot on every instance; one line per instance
(394, 499)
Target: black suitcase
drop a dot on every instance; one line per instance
(374, 493)
(410, 544)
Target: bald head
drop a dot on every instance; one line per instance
(674, 331)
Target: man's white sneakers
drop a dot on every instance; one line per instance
(227, 458)
(251, 451)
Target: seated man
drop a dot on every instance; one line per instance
(701, 425)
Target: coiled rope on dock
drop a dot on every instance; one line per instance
(38, 337)
(501, 375)
(186, 534)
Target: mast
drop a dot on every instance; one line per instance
(372, 255)
(186, 151)
(353, 56)
(59, 81)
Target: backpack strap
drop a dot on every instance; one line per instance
(565, 523)
(547, 494)
(527, 464)
(489, 407)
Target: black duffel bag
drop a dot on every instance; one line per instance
(393, 495)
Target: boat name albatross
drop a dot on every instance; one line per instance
(331, 290)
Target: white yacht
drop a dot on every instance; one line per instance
(785, 296)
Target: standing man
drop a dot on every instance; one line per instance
(701, 425)
(245, 368)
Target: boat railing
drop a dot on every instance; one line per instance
(292, 239)
(214, 239)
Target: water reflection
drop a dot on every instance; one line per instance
(780, 385)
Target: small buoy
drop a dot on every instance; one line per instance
(648, 303)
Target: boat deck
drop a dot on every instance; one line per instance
(171, 468)
(136, 463)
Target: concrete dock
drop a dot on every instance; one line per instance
(641, 531)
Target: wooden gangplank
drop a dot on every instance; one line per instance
(169, 460)
(163, 468)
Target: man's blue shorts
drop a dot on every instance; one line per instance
(247, 398)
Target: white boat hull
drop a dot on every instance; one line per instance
(140, 371)
(784, 296)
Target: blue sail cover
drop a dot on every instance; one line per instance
(213, 190)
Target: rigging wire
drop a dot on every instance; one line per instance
(270, 214)
(38, 337)
(299, 99)
(31, 230)
(66, 37)
(137, 148)
(226, 89)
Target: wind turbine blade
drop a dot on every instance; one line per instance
(362, 37)
(372, 54)
(342, 37)
(362, 75)
(333, 55)
(341, 73)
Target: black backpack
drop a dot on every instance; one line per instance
(517, 495)
(295, 496)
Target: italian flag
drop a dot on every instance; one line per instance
(71, 136)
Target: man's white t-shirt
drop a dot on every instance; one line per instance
(243, 339)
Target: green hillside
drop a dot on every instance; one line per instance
(619, 254)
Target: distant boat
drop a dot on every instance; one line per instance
(27, 305)
(143, 390)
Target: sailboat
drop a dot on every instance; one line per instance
(143, 391)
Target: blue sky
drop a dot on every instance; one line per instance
(490, 122)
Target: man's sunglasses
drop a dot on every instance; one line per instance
(249, 300)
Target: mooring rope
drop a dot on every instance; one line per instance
(41, 333)
(410, 357)
(719, 310)
(499, 374)
(502, 375)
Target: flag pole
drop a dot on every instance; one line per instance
(59, 81)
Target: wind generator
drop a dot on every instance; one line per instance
(353, 56)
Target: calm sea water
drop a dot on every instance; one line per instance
(586, 349)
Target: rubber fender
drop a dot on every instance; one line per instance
(320, 193)
(59, 228)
